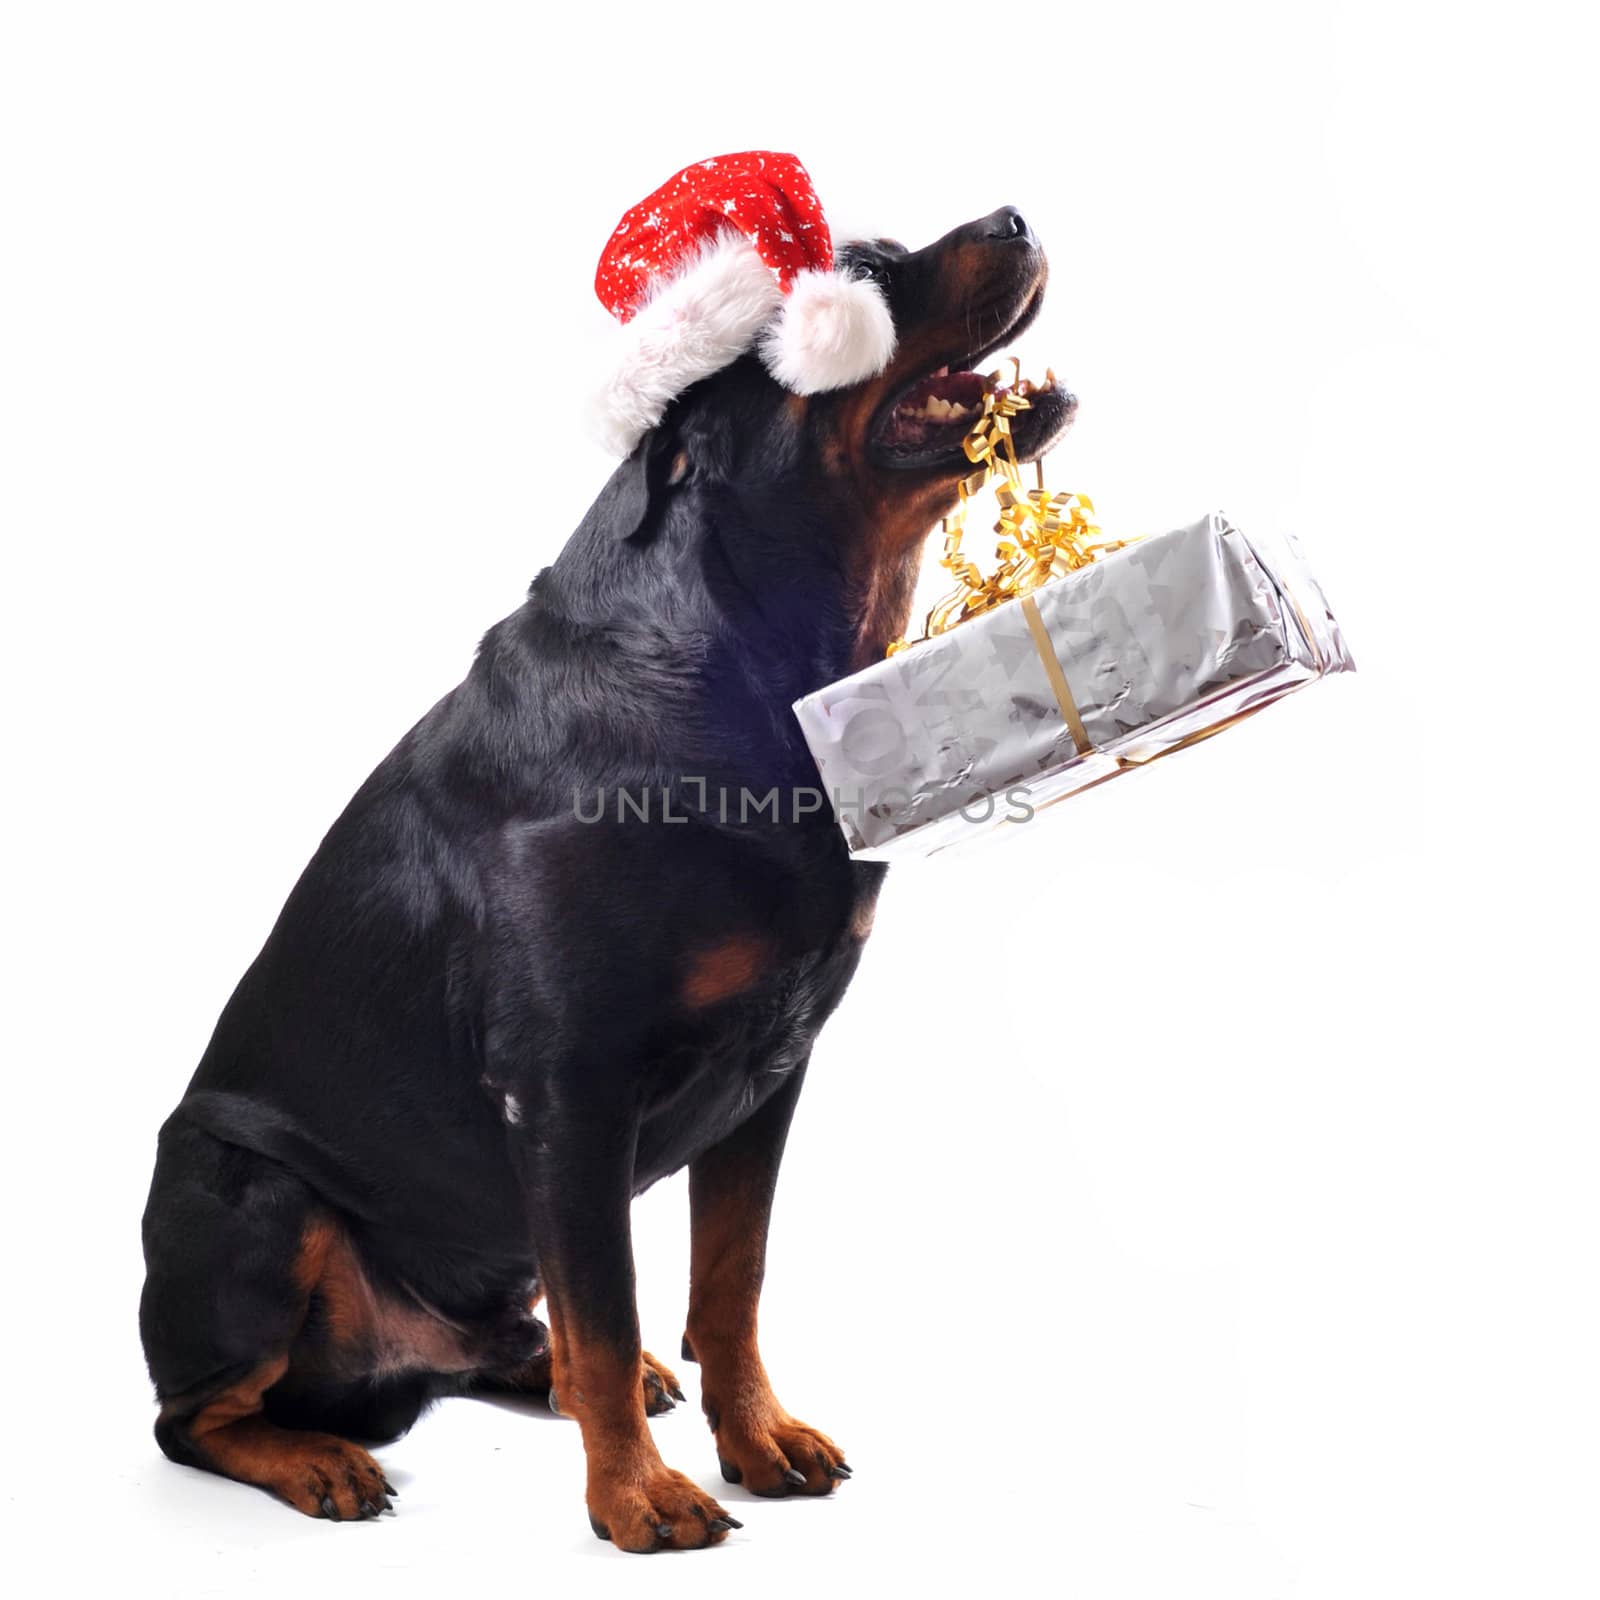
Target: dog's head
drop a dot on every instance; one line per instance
(867, 470)
(956, 304)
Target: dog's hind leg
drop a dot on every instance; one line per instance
(233, 1247)
(375, 1410)
(662, 1391)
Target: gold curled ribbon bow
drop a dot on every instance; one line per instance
(1041, 535)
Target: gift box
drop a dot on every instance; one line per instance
(1146, 651)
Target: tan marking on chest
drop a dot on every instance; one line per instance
(861, 919)
(724, 970)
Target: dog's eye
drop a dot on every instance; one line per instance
(873, 267)
(866, 259)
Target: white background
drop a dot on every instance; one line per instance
(1195, 1195)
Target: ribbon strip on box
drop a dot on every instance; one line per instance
(1150, 648)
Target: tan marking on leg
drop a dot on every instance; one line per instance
(373, 1332)
(759, 1444)
(634, 1498)
(312, 1471)
(328, 1267)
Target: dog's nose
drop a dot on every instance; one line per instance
(1007, 223)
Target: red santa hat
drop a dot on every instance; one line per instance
(730, 254)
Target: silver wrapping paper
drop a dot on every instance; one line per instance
(1159, 644)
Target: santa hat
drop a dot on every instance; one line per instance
(728, 254)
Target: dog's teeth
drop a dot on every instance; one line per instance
(935, 408)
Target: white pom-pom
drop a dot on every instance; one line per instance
(832, 331)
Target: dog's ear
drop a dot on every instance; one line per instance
(631, 502)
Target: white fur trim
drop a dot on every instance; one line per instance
(702, 318)
(832, 331)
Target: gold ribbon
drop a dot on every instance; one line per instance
(1041, 535)
(1058, 679)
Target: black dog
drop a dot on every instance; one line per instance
(498, 1004)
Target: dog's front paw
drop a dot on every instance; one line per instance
(658, 1509)
(771, 1453)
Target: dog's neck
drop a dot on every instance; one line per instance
(881, 607)
(772, 589)
(837, 595)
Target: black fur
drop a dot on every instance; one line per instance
(466, 1038)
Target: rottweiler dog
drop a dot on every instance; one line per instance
(542, 960)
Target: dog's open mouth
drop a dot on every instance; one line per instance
(938, 411)
(923, 423)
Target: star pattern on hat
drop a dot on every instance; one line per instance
(762, 194)
(729, 257)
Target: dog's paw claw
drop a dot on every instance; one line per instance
(773, 1455)
(658, 1508)
(661, 1387)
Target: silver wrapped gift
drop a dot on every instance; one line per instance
(1150, 649)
